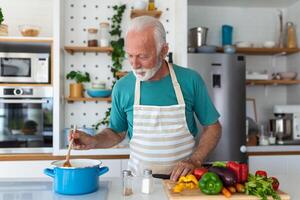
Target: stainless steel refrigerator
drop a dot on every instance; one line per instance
(224, 76)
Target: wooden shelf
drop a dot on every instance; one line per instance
(272, 82)
(71, 100)
(137, 13)
(75, 49)
(26, 39)
(264, 51)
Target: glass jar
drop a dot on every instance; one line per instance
(92, 37)
(147, 181)
(291, 35)
(104, 34)
(127, 183)
(151, 5)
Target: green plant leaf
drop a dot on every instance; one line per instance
(1, 16)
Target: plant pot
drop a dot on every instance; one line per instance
(76, 90)
(3, 30)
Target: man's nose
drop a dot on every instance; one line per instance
(135, 63)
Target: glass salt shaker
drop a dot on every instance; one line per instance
(92, 37)
(127, 183)
(104, 34)
(147, 181)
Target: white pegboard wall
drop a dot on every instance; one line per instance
(80, 15)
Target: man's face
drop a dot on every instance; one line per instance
(142, 55)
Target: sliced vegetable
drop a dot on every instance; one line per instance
(198, 172)
(210, 183)
(227, 175)
(240, 188)
(261, 186)
(179, 187)
(261, 173)
(226, 192)
(275, 183)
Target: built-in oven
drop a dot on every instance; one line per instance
(26, 119)
(24, 67)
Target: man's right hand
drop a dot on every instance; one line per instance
(82, 141)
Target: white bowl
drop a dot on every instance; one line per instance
(287, 75)
(269, 44)
(244, 44)
(139, 5)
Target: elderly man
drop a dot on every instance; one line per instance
(155, 105)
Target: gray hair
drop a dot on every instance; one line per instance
(142, 22)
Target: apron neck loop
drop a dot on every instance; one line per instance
(176, 86)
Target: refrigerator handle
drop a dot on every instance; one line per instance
(216, 80)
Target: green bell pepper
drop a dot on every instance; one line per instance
(210, 183)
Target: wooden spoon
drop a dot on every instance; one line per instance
(67, 162)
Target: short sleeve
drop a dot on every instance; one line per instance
(118, 118)
(204, 108)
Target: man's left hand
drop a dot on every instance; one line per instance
(182, 168)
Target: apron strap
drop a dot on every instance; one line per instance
(137, 93)
(176, 86)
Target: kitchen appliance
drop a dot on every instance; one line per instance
(198, 36)
(26, 119)
(224, 76)
(286, 124)
(82, 178)
(24, 67)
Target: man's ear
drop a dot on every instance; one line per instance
(164, 51)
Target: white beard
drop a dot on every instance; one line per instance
(146, 74)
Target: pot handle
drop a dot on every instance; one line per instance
(49, 172)
(102, 170)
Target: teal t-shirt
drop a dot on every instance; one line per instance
(161, 93)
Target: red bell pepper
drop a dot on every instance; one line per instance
(275, 183)
(244, 171)
(261, 173)
(241, 170)
(198, 172)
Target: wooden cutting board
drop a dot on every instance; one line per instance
(196, 194)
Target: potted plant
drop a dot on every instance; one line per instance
(76, 89)
(3, 27)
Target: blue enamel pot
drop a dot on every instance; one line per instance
(81, 178)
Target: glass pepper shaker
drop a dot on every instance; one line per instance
(127, 183)
(104, 34)
(92, 37)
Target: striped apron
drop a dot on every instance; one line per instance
(161, 137)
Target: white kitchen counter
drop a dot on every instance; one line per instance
(274, 148)
(41, 189)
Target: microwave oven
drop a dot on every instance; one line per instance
(24, 67)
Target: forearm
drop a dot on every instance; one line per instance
(108, 138)
(207, 142)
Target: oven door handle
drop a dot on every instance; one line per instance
(23, 101)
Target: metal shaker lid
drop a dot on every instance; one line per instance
(147, 172)
(126, 173)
